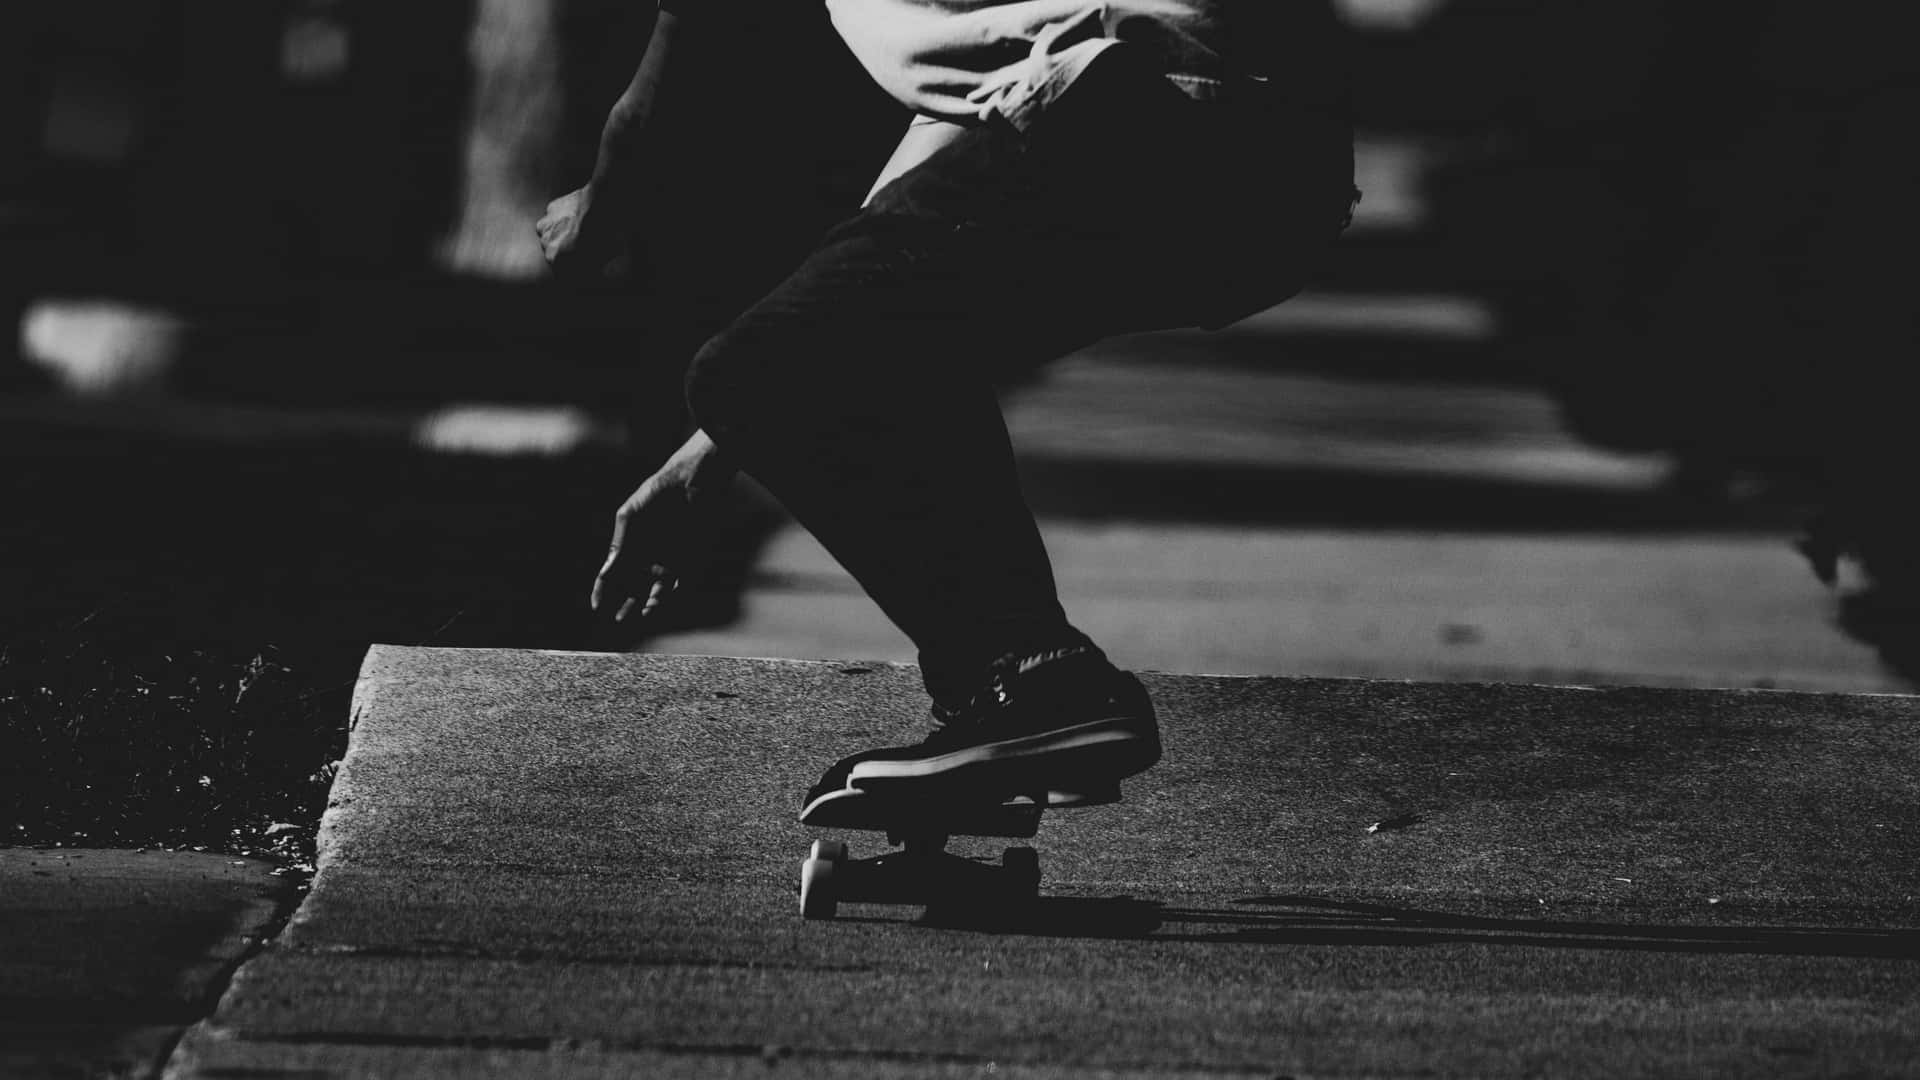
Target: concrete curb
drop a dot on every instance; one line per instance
(574, 864)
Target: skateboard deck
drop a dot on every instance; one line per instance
(908, 816)
(920, 822)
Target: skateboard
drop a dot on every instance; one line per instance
(923, 871)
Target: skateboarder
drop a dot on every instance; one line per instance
(1074, 170)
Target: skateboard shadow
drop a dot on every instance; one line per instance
(1306, 920)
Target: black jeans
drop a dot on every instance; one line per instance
(860, 391)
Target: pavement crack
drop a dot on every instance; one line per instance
(543, 956)
(770, 1053)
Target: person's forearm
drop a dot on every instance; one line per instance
(623, 137)
(710, 467)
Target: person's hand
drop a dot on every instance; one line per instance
(579, 236)
(658, 529)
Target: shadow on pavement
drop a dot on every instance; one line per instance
(1887, 618)
(1306, 920)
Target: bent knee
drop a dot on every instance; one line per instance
(701, 387)
(760, 376)
(726, 384)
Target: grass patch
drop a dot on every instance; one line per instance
(211, 749)
(185, 619)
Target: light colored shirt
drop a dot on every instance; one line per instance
(957, 63)
(963, 61)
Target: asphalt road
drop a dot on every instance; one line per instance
(107, 956)
(585, 864)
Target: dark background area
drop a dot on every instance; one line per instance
(1693, 217)
(1693, 223)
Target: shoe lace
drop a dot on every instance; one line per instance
(999, 692)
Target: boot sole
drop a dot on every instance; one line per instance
(1088, 756)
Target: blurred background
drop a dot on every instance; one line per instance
(1605, 386)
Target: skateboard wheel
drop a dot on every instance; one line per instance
(1022, 866)
(829, 851)
(817, 899)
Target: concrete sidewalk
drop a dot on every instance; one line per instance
(542, 864)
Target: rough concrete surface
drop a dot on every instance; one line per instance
(582, 864)
(109, 955)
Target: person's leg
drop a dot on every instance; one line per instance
(858, 391)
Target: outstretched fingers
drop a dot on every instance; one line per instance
(660, 584)
(628, 580)
(663, 584)
(606, 582)
(657, 533)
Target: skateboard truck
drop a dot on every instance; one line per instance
(922, 871)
